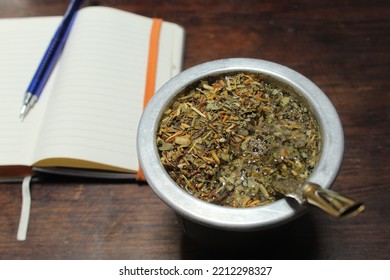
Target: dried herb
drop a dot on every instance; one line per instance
(227, 140)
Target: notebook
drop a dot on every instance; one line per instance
(88, 113)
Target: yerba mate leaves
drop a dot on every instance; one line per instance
(226, 141)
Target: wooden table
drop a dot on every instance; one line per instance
(343, 46)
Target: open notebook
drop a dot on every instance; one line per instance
(88, 113)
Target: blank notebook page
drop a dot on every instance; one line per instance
(23, 43)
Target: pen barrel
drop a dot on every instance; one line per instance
(54, 50)
(331, 202)
(45, 67)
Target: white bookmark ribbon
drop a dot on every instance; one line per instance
(25, 213)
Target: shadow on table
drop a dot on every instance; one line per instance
(295, 240)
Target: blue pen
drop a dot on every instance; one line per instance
(49, 59)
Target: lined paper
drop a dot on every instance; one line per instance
(23, 43)
(98, 98)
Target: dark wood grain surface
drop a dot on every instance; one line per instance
(343, 46)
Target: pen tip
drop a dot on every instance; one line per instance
(28, 103)
(23, 112)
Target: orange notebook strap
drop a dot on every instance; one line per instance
(151, 70)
